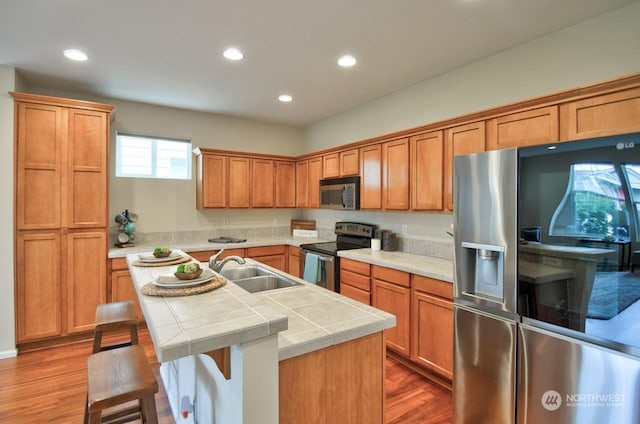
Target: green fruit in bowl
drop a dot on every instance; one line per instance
(188, 268)
(160, 250)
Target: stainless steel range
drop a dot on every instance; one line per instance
(349, 235)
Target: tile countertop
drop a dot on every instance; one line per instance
(191, 246)
(306, 317)
(437, 268)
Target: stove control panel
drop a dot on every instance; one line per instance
(355, 229)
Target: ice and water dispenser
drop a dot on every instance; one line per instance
(485, 268)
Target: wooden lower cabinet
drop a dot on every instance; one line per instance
(205, 255)
(432, 317)
(391, 292)
(274, 256)
(86, 276)
(122, 287)
(355, 280)
(38, 288)
(344, 383)
(293, 265)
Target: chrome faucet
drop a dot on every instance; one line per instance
(216, 265)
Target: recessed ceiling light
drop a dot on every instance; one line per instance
(347, 61)
(233, 54)
(285, 98)
(75, 54)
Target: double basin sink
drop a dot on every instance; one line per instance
(255, 278)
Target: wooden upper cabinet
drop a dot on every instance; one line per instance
(349, 163)
(239, 178)
(302, 184)
(395, 174)
(41, 131)
(371, 177)
(88, 176)
(427, 152)
(211, 182)
(460, 140)
(608, 114)
(331, 165)
(315, 175)
(285, 191)
(528, 128)
(262, 179)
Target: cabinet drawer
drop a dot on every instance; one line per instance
(355, 266)
(360, 281)
(266, 251)
(400, 278)
(431, 286)
(355, 293)
(118, 264)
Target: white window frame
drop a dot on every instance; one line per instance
(153, 166)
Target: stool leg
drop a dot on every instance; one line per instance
(134, 334)
(97, 341)
(148, 406)
(86, 410)
(95, 417)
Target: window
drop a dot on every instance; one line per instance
(593, 205)
(152, 157)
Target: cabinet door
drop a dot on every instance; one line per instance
(239, 177)
(86, 278)
(315, 175)
(529, 128)
(461, 140)
(302, 184)
(330, 165)
(41, 134)
(397, 301)
(212, 181)
(349, 163)
(293, 267)
(395, 174)
(122, 289)
(275, 256)
(87, 169)
(609, 114)
(38, 294)
(426, 171)
(371, 178)
(433, 333)
(355, 293)
(205, 255)
(285, 191)
(262, 178)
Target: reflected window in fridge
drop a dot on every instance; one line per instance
(579, 252)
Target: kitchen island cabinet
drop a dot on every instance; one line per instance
(311, 350)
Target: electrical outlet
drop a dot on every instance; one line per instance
(225, 222)
(404, 230)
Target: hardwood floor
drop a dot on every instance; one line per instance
(49, 386)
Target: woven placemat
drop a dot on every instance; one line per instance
(151, 289)
(180, 260)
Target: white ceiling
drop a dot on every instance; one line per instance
(168, 52)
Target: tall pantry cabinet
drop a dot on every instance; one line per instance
(61, 237)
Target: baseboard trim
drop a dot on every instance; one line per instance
(11, 353)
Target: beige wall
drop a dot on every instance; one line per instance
(7, 331)
(169, 205)
(600, 49)
(597, 50)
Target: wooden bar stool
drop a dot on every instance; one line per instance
(116, 377)
(115, 317)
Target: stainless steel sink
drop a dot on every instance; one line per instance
(254, 278)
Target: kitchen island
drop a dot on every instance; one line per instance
(289, 355)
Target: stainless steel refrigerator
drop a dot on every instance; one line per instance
(547, 316)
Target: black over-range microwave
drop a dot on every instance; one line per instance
(340, 193)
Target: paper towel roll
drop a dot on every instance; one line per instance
(376, 244)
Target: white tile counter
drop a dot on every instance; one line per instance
(437, 268)
(121, 252)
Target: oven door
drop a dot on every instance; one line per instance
(327, 271)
